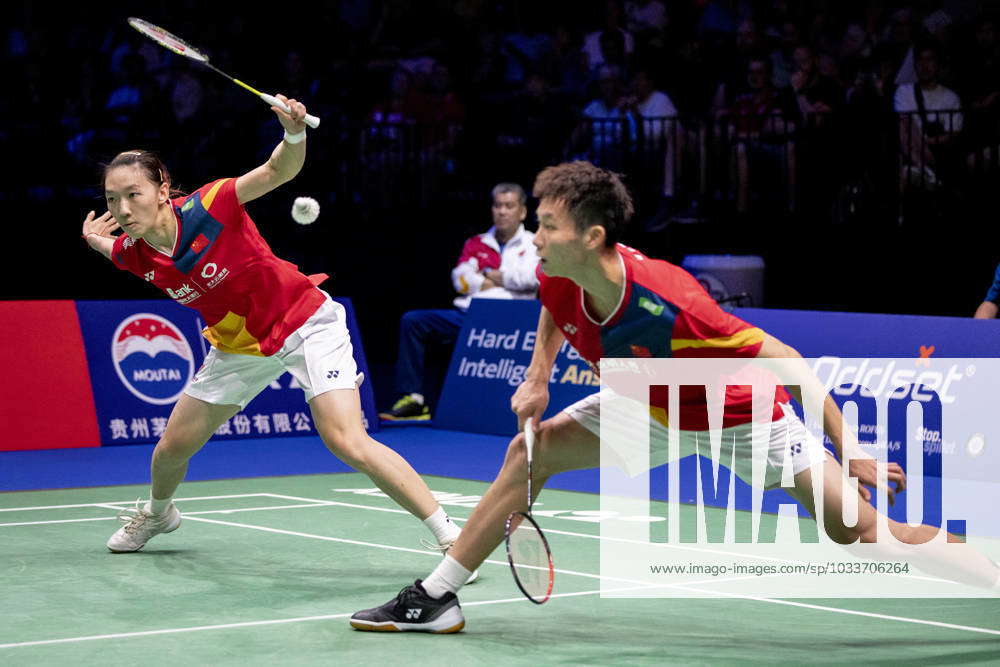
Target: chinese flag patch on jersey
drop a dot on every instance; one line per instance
(640, 351)
(199, 243)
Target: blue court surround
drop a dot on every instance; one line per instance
(430, 451)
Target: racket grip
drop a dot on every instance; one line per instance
(310, 120)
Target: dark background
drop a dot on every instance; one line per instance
(390, 246)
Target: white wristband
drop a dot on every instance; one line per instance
(295, 138)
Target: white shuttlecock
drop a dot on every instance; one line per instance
(305, 210)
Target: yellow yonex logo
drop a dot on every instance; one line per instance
(187, 205)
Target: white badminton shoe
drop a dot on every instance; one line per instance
(141, 525)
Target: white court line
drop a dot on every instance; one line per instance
(186, 514)
(851, 612)
(599, 537)
(316, 502)
(279, 621)
(132, 502)
(571, 572)
(638, 584)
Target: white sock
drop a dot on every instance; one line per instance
(444, 529)
(157, 506)
(447, 577)
(419, 398)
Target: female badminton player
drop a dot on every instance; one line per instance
(264, 317)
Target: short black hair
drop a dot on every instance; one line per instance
(593, 196)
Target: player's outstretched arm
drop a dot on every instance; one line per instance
(532, 395)
(285, 162)
(97, 232)
(862, 465)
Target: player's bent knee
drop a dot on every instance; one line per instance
(354, 449)
(516, 452)
(173, 452)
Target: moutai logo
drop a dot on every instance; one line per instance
(152, 358)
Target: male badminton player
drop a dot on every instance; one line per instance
(264, 317)
(609, 300)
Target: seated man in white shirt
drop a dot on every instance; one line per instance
(498, 264)
(930, 120)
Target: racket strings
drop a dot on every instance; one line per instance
(529, 557)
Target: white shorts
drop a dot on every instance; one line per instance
(789, 439)
(319, 355)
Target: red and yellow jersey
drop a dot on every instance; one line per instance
(663, 312)
(222, 267)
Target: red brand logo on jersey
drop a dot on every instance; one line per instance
(640, 351)
(199, 243)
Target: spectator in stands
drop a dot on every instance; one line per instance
(936, 27)
(642, 16)
(728, 60)
(869, 138)
(490, 69)
(898, 35)
(534, 128)
(930, 120)
(988, 309)
(652, 108)
(759, 121)
(816, 94)
(592, 44)
(612, 53)
(855, 48)
(136, 95)
(606, 127)
(978, 76)
(568, 67)
(499, 264)
(525, 48)
(440, 106)
(783, 57)
(399, 105)
(654, 116)
(819, 97)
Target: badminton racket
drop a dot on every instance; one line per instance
(527, 549)
(182, 48)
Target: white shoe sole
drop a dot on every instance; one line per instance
(449, 622)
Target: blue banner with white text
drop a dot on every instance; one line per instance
(494, 349)
(491, 355)
(142, 354)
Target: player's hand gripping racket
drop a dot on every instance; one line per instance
(182, 48)
(527, 549)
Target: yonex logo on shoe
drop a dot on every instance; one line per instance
(413, 613)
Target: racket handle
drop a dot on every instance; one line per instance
(310, 120)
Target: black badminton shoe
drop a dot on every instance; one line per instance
(413, 610)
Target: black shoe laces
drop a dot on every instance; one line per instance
(405, 596)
